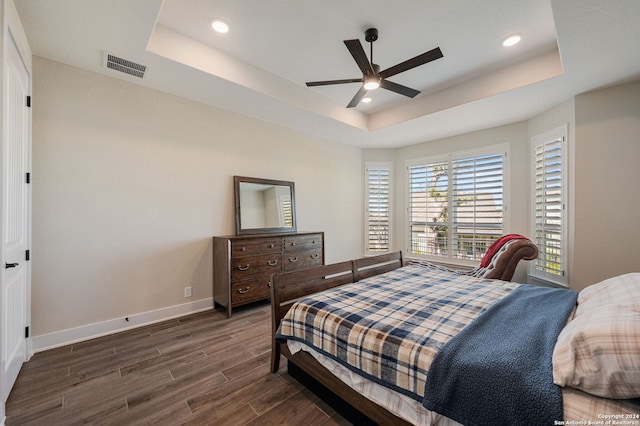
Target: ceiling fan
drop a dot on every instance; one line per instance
(372, 77)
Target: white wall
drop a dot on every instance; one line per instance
(129, 185)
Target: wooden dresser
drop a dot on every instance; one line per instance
(243, 264)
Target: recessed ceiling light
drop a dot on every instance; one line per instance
(366, 100)
(512, 40)
(219, 26)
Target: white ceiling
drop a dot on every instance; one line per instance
(259, 68)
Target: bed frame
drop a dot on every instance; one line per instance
(289, 286)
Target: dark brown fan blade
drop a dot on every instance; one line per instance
(429, 56)
(356, 50)
(399, 88)
(328, 82)
(357, 98)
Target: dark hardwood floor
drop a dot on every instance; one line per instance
(202, 369)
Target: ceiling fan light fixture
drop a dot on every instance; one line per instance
(219, 26)
(371, 82)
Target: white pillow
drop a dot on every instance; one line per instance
(599, 350)
(621, 290)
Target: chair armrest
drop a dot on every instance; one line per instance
(504, 262)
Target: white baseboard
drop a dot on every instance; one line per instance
(103, 328)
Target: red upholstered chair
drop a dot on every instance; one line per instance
(501, 258)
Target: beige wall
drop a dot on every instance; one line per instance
(607, 176)
(129, 184)
(514, 135)
(603, 176)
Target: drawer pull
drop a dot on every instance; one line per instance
(293, 259)
(272, 245)
(244, 291)
(272, 262)
(243, 249)
(293, 243)
(315, 255)
(243, 268)
(269, 285)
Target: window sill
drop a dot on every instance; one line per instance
(456, 266)
(532, 279)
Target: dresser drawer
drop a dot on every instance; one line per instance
(250, 290)
(243, 264)
(302, 242)
(253, 247)
(252, 266)
(302, 259)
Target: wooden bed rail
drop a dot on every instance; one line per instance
(369, 266)
(287, 287)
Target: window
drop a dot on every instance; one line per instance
(378, 207)
(549, 200)
(286, 211)
(456, 204)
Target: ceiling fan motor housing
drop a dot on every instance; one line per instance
(371, 35)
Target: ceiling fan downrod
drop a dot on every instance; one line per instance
(371, 35)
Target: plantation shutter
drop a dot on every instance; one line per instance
(287, 211)
(456, 204)
(428, 208)
(478, 204)
(378, 212)
(549, 207)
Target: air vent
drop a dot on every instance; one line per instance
(123, 65)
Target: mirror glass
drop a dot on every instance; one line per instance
(264, 205)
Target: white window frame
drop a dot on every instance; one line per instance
(558, 135)
(502, 149)
(389, 167)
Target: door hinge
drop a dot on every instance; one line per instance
(27, 177)
(28, 101)
(27, 255)
(26, 332)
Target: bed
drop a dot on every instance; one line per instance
(412, 343)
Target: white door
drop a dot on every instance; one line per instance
(15, 217)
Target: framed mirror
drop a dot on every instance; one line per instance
(264, 205)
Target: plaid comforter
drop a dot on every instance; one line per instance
(389, 327)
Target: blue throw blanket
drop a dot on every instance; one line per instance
(498, 370)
